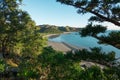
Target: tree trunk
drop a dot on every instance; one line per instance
(106, 19)
(3, 50)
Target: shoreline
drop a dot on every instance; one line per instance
(56, 35)
(50, 36)
(72, 47)
(61, 46)
(58, 46)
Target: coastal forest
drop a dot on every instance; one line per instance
(25, 55)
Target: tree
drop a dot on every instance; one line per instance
(112, 38)
(11, 23)
(112, 73)
(18, 32)
(2, 66)
(92, 30)
(55, 66)
(20, 36)
(104, 10)
(92, 73)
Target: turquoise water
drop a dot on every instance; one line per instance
(84, 42)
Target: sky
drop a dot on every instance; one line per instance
(54, 13)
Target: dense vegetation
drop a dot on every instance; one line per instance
(25, 57)
(57, 29)
(95, 54)
(19, 36)
(18, 32)
(52, 65)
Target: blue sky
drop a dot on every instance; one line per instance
(53, 13)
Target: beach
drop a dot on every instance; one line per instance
(52, 35)
(61, 46)
(56, 35)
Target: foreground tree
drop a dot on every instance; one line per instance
(18, 32)
(112, 38)
(19, 39)
(92, 30)
(104, 10)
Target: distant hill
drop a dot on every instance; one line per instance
(57, 29)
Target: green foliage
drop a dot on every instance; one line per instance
(95, 54)
(49, 65)
(92, 30)
(28, 68)
(49, 29)
(19, 37)
(2, 65)
(112, 73)
(52, 65)
(112, 38)
(57, 66)
(95, 73)
(52, 30)
(104, 10)
(92, 73)
(18, 33)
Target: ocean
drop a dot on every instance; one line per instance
(88, 42)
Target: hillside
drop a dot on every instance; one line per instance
(57, 29)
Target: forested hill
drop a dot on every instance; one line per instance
(57, 29)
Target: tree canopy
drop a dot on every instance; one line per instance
(104, 10)
(18, 31)
(112, 38)
(19, 35)
(92, 30)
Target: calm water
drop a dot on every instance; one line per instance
(84, 42)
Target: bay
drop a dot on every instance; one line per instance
(88, 42)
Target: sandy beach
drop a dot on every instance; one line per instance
(52, 35)
(56, 35)
(61, 46)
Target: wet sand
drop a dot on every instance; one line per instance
(61, 46)
(52, 35)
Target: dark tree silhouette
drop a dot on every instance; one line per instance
(92, 30)
(104, 10)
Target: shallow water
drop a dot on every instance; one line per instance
(84, 42)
